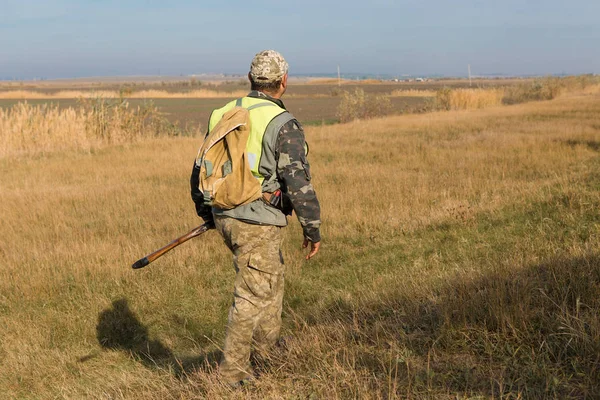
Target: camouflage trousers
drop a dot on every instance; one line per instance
(255, 315)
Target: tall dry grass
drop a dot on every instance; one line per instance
(531, 90)
(468, 99)
(27, 130)
(459, 260)
(111, 94)
(360, 105)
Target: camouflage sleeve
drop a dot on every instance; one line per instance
(293, 171)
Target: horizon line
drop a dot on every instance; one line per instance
(346, 76)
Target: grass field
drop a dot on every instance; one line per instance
(191, 113)
(461, 259)
(312, 104)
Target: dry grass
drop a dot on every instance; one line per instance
(109, 94)
(25, 129)
(42, 129)
(359, 105)
(549, 88)
(194, 94)
(429, 145)
(594, 89)
(412, 93)
(469, 99)
(326, 81)
(460, 260)
(530, 90)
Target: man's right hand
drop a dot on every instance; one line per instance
(314, 248)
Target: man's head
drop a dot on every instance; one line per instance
(268, 73)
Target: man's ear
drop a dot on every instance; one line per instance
(284, 81)
(249, 78)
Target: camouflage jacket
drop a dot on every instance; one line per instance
(293, 174)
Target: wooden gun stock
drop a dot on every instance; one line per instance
(199, 230)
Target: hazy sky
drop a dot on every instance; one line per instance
(69, 38)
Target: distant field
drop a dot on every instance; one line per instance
(312, 103)
(297, 86)
(191, 112)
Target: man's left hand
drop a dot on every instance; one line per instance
(314, 248)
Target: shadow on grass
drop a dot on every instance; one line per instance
(119, 328)
(530, 332)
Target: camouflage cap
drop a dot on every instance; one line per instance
(268, 66)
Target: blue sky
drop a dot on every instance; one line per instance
(68, 38)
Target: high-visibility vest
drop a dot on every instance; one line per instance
(261, 112)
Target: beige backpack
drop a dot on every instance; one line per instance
(226, 180)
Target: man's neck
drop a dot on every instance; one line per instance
(273, 95)
(268, 96)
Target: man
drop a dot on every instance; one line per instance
(253, 232)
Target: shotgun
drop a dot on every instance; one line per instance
(197, 231)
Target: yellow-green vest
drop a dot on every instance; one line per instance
(266, 119)
(262, 112)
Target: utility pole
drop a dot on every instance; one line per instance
(339, 77)
(469, 67)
